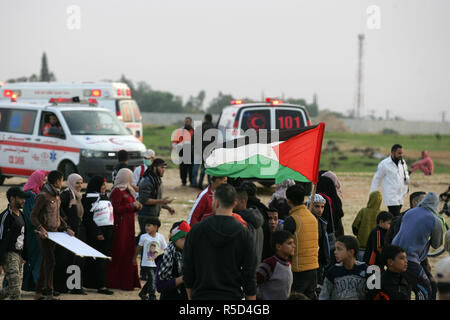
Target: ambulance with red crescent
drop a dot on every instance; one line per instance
(70, 137)
(114, 96)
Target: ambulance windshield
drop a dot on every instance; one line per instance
(95, 122)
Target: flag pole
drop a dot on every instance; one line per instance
(313, 195)
(317, 164)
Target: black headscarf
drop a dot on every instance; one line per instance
(326, 186)
(95, 184)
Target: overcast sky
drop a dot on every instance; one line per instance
(243, 47)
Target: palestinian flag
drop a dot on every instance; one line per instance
(290, 154)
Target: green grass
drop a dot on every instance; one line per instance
(385, 141)
(158, 138)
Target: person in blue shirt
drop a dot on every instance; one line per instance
(420, 228)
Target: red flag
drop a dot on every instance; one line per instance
(302, 152)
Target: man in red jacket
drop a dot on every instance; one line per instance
(203, 205)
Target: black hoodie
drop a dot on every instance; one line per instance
(219, 261)
(255, 223)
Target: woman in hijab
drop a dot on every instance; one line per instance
(337, 183)
(72, 213)
(333, 212)
(121, 273)
(278, 200)
(31, 267)
(99, 224)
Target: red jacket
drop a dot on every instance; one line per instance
(202, 206)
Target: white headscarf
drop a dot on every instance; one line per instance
(76, 196)
(71, 182)
(123, 181)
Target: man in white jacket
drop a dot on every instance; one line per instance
(392, 172)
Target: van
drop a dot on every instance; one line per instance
(239, 117)
(84, 139)
(114, 96)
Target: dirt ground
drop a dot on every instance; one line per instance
(355, 188)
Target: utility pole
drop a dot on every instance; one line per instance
(443, 115)
(359, 94)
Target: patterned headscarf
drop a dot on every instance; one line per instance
(317, 198)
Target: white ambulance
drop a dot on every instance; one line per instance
(239, 117)
(114, 96)
(83, 139)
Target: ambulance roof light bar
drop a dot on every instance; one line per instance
(91, 102)
(273, 102)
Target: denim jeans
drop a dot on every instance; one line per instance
(194, 174)
(149, 287)
(195, 169)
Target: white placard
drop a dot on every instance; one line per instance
(75, 245)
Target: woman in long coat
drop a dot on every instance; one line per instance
(31, 267)
(121, 272)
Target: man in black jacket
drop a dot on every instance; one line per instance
(254, 221)
(254, 202)
(202, 139)
(12, 243)
(219, 260)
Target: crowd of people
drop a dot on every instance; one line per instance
(231, 245)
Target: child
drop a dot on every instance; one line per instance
(317, 207)
(275, 224)
(365, 221)
(153, 244)
(394, 285)
(375, 242)
(346, 280)
(274, 275)
(169, 272)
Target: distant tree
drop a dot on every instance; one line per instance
(157, 101)
(129, 83)
(195, 104)
(219, 102)
(301, 102)
(46, 75)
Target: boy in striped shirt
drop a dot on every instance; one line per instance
(274, 275)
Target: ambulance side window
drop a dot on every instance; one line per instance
(18, 121)
(50, 127)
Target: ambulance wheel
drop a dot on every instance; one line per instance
(68, 168)
(2, 179)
